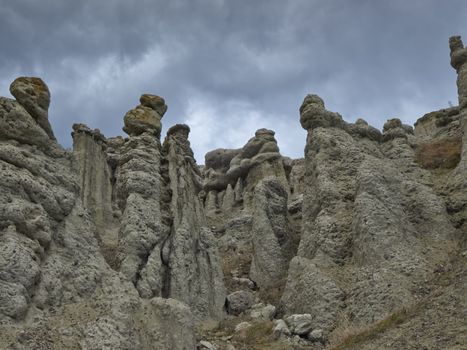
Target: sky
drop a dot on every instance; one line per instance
(227, 68)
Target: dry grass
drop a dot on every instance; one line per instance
(240, 261)
(259, 337)
(439, 154)
(347, 335)
(273, 294)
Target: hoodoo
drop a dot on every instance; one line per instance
(128, 243)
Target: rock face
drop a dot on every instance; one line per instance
(126, 243)
(364, 206)
(154, 231)
(243, 169)
(457, 183)
(56, 289)
(151, 223)
(271, 242)
(95, 174)
(246, 194)
(195, 275)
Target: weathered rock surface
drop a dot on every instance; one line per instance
(244, 168)
(95, 176)
(34, 96)
(145, 117)
(126, 243)
(300, 324)
(457, 181)
(56, 289)
(237, 206)
(363, 207)
(263, 312)
(239, 301)
(195, 271)
(270, 234)
(151, 223)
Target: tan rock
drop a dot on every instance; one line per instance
(155, 102)
(145, 117)
(33, 94)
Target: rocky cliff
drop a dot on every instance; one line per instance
(127, 243)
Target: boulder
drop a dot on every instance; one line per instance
(145, 117)
(300, 324)
(316, 335)
(280, 329)
(263, 312)
(239, 301)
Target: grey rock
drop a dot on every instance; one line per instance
(242, 326)
(300, 324)
(17, 124)
(246, 282)
(314, 115)
(260, 154)
(239, 301)
(173, 325)
(347, 224)
(457, 181)
(270, 233)
(311, 291)
(280, 329)
(203, 344)
(316, 335)
(263, 312)
(195, 271)
(219, 159)
(96, 174)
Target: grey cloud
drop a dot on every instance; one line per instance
(369, 59)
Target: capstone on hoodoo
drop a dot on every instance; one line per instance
(146, 117)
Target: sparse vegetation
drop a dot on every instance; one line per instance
(273, 294)
(347, 334)
(443, 153)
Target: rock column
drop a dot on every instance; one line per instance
(459, 63)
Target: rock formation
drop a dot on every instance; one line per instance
(166, 249)
(457, 183)
(64, 235)
(270, 234)
(34, 96)
(363, 209)
(54, 281)
(145, 117)
(126, 243)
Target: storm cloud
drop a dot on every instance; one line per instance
(227, 68)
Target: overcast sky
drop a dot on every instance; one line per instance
(227, 68)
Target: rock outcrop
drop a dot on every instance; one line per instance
(56, 289)
(247, 194)
(457, 182)
(365, 202)
(146, 117)
(126, 243)
(34, 96)
(190, 252)
(270, 234)
(95, 175)
(233, 174)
